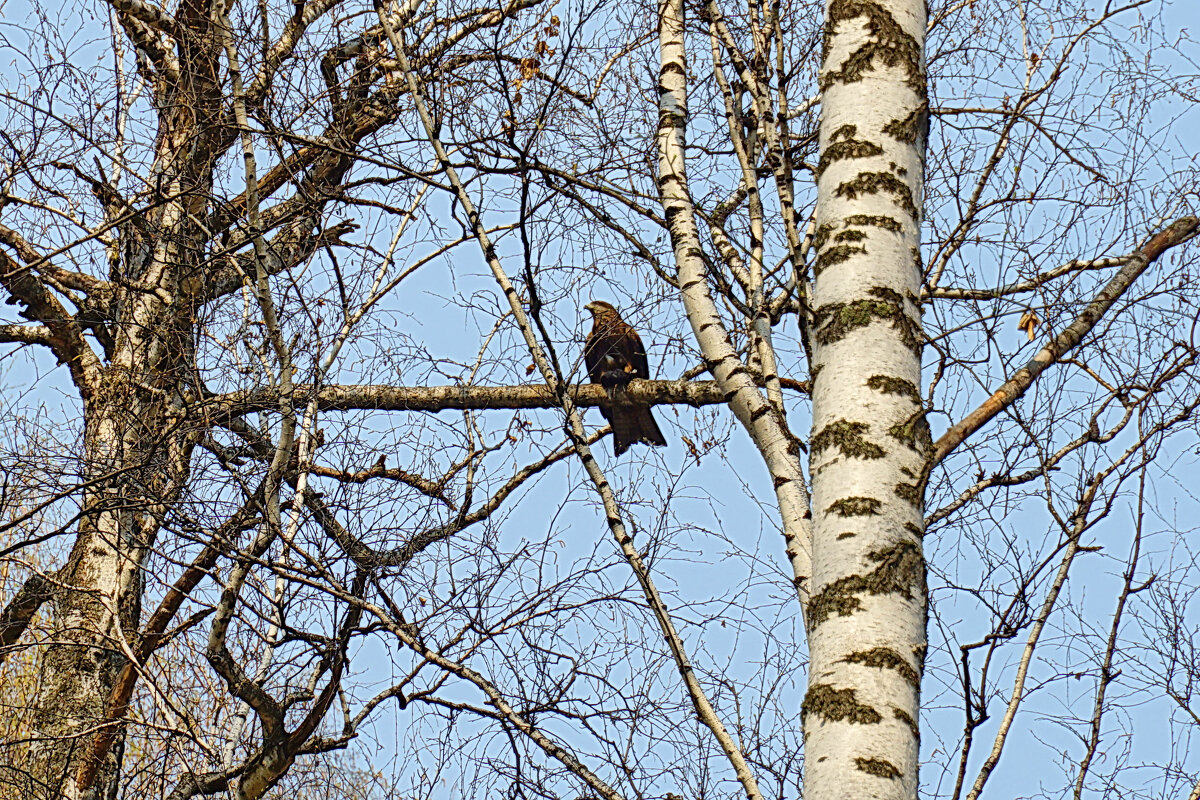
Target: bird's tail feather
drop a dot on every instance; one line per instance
(635, 424)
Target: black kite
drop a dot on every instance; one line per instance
(615, 355)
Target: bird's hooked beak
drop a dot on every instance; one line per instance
(592, 307)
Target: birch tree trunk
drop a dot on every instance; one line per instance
(136, 446)
(252, 506)
(98, 602)
(135, 462)
(765, 424)
(870, 440)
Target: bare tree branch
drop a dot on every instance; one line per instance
(1138, 262)
(444, 398)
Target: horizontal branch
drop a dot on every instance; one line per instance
(448, 398)
(29, 255)
(64, 336)
(25, 334)
(951, 293)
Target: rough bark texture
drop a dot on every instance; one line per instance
(449, 398)
(870, 439)
(135, 461)
(138, 430)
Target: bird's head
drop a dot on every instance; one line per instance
(599, 308)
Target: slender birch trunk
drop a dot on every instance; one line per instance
(870, 439)
(780, 450)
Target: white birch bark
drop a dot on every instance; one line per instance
(136, 460)
(870, 440)
(96, 605)
(779, 449)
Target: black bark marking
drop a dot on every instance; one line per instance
(738, 370)
(855, 507)
(886, 384)
(907, 719)
(837, 254)
(914, 433)
(821, 236)
(835, 320)
(877, 183)
(837, 705)
(900, 570)
(875, 221)
(878, 767)
(909, 493)
(888, 44)
(913, 127)
(919, 266)
(886, 658)
(842, 145)
(847, 437)
(919, 653)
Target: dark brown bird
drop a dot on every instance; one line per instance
(614, 355)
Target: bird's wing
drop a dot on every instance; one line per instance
(613, 345)
(593, 355)
(634, 353)
(613, 339)
(594, 350)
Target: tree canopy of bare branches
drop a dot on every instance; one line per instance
(300, 486)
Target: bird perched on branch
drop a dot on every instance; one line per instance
(614, 355)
